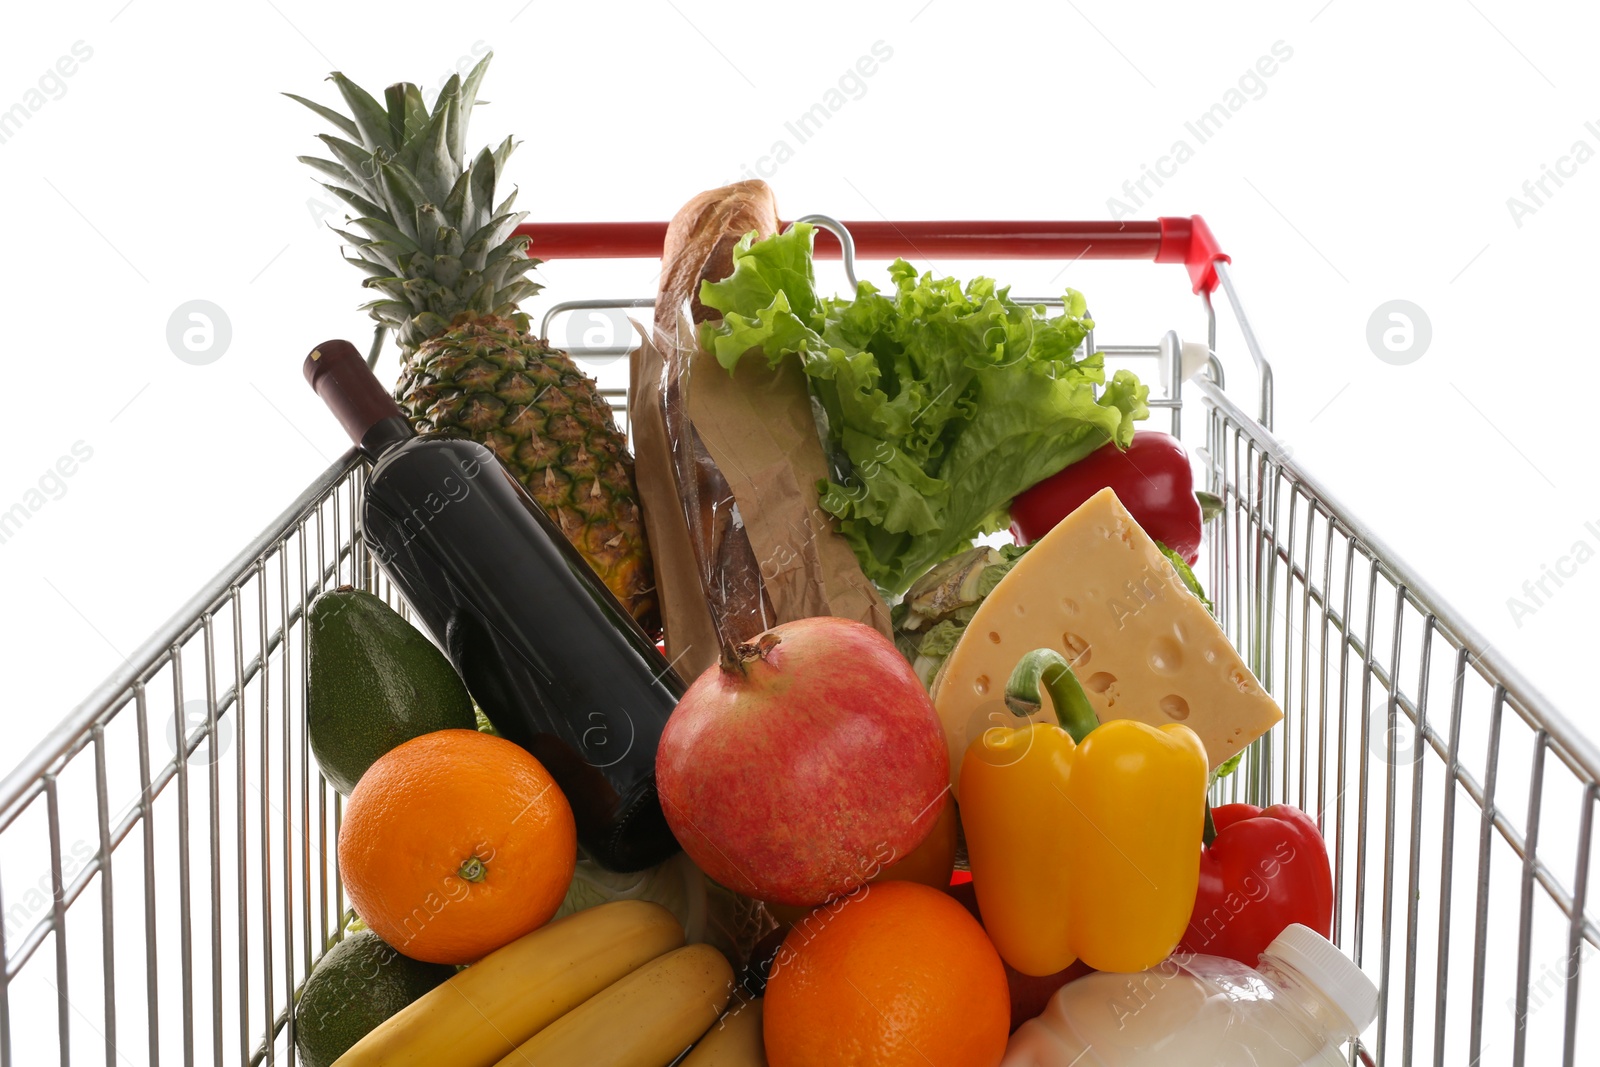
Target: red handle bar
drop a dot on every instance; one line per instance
(1186, 240)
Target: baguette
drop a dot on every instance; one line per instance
(732, 516)
(698, 246)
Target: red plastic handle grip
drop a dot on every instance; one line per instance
(1165, 240)
(1190, 241)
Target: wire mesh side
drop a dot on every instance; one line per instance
(1456, 817)
(194, 783)
(182, 845)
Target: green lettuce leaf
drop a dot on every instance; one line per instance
(1186, 573)
(939, 402)
(1227, 767)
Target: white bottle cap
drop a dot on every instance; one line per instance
(1330, 971)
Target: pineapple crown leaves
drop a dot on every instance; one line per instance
(431, 239)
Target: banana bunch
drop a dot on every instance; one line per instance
(611, 986)
(734, 1042)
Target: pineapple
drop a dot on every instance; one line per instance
(440, 251)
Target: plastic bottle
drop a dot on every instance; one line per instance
(1298, 1006)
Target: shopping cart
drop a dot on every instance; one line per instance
(167, 868)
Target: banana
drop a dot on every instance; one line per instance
(482, 1014)
(644, 1020)
(734, 1042)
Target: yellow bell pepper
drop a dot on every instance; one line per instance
(1084, 838)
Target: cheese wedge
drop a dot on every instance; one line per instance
(1098, 590)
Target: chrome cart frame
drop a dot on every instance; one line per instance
(167, 869)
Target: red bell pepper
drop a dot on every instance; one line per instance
(1262, 869)
(1152, 479)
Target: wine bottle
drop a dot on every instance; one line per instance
(545, 649)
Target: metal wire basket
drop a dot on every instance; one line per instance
(167, 870)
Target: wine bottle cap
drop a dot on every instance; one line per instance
(1330, 970)
(341, 377)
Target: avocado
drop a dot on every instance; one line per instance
(373, 682)
(359, 983)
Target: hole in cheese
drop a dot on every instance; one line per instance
(1077, 650)
(1100, 681)
(1069, 605)
(980, 684)
(994, 637)
(1166, 656)
(1175, 707)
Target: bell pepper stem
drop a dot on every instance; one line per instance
(1210, 833)
(1047, 667)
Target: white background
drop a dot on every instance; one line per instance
(1376, 163)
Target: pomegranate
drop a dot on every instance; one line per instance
(803, 764)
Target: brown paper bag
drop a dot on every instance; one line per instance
(757, 427)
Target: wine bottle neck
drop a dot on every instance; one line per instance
(385, 434)
(362, 405)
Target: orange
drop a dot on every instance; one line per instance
(456, 843)
(895, 975)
